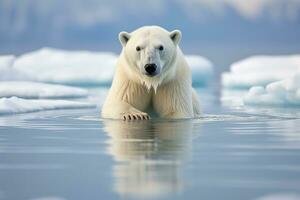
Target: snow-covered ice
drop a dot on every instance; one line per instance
(26, 89)
(280, 93)
(202, 69)
(260, 71)
(273, 81)
(6, 60)
(8, 72)
(15, 105)
(68, 67)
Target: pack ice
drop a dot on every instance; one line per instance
(260, 71)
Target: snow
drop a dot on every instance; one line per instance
(260, 71)
(26, 89)
(202, 69)
(273, 81)
(8, 72)
(279, 93)
(6, 60)
(15, 105)
(68, 67)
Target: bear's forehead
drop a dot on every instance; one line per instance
(150, 29)
(149, 40)
(150, 32)
(149, 35)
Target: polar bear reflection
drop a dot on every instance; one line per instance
(148, 155)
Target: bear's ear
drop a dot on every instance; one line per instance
(124, 37)
(175, 36)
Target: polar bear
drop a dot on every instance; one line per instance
(151, 75)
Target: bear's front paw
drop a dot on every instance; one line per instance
(135, 116)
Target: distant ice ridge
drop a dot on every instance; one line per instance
(202, 69)
(6, 61)
(8, 72)
(26, 89)
(68, 67)
(280, 93)
(260, 71)
(15, 105)
(80, 67)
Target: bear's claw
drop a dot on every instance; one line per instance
(136, 116)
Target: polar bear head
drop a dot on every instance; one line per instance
(150, 52)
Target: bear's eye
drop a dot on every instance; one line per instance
(161, 47)
(138, 48)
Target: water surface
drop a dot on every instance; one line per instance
(229, 153)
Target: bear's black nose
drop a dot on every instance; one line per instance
(150, 68)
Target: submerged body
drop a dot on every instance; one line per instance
(151, 73)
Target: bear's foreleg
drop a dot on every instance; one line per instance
(123, 110)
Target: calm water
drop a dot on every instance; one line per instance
(229, 153)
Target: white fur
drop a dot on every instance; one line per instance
(169, 92)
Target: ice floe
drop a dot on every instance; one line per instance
(202, 69)
(260, 71)
(279, 93)
(15, 105)
(8, 72)
(27, 89)
(6, 60)
(68, 67)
